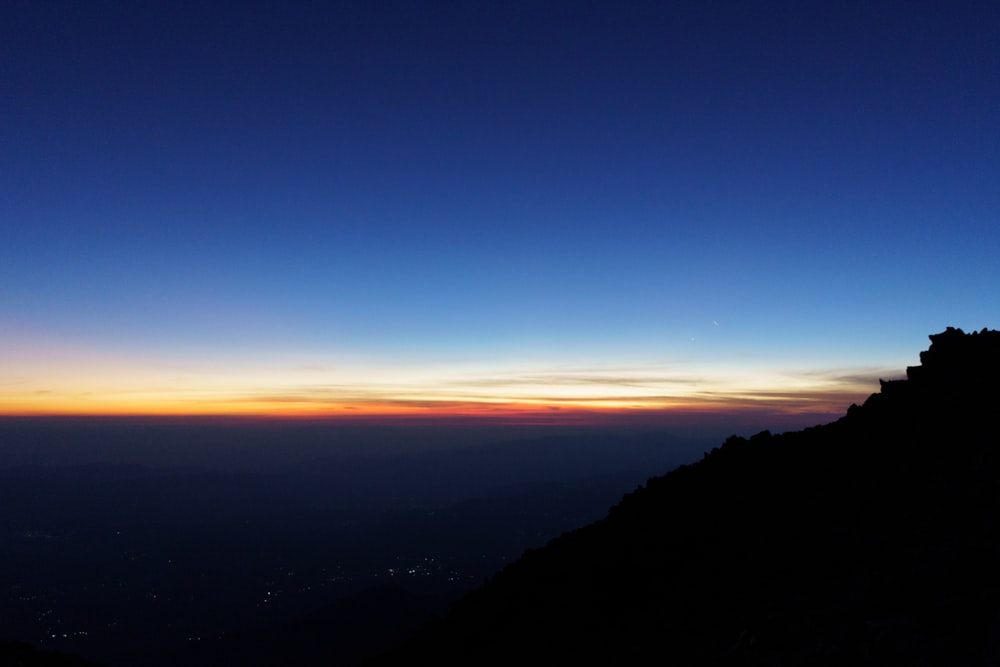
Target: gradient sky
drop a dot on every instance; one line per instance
(489, 207)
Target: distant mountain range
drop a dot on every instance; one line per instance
(133, 565)
(873, 540)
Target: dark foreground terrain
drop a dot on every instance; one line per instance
(874, 540)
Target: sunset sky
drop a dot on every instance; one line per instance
(489, 208)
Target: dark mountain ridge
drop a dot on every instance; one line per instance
(871, 540)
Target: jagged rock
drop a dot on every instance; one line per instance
(872, 540)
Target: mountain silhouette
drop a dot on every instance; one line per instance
(871, 540)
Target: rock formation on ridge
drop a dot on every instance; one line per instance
(871, 540)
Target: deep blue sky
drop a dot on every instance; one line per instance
(409, 202)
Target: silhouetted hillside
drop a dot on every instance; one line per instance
(873, 540)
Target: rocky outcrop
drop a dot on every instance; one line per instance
(872, 540)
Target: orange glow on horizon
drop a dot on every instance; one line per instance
(533, 411)
(71, 383)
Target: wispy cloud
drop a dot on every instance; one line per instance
(643, 390)
(325, 389)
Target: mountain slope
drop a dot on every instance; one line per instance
(871, 540)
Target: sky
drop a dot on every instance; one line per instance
(520, 210)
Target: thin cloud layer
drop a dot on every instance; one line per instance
(318, 388)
